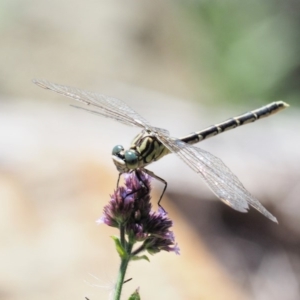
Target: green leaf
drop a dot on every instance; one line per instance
(135, 295)
(145, 257)
(119, 247)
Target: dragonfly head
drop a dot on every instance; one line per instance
(125, 160)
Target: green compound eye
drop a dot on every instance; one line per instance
(117, 149)
(131, 159)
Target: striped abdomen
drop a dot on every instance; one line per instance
(231, 123)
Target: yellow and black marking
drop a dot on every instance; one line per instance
(148, 147)
(231, 123)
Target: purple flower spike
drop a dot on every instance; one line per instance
(130, 210)
(118, 211)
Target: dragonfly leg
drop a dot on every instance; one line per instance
(120, 174)
(150, 173)
(143, 184)
(138, 175)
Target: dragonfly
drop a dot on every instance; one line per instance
(153, 143)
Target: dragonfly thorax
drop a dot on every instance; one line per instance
(145, 148)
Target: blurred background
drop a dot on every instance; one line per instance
(183, 65)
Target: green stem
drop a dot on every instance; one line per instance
(122, 235)
(122, 272)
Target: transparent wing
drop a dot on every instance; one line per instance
(153, 129)
(106, 106)
(218, 177)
